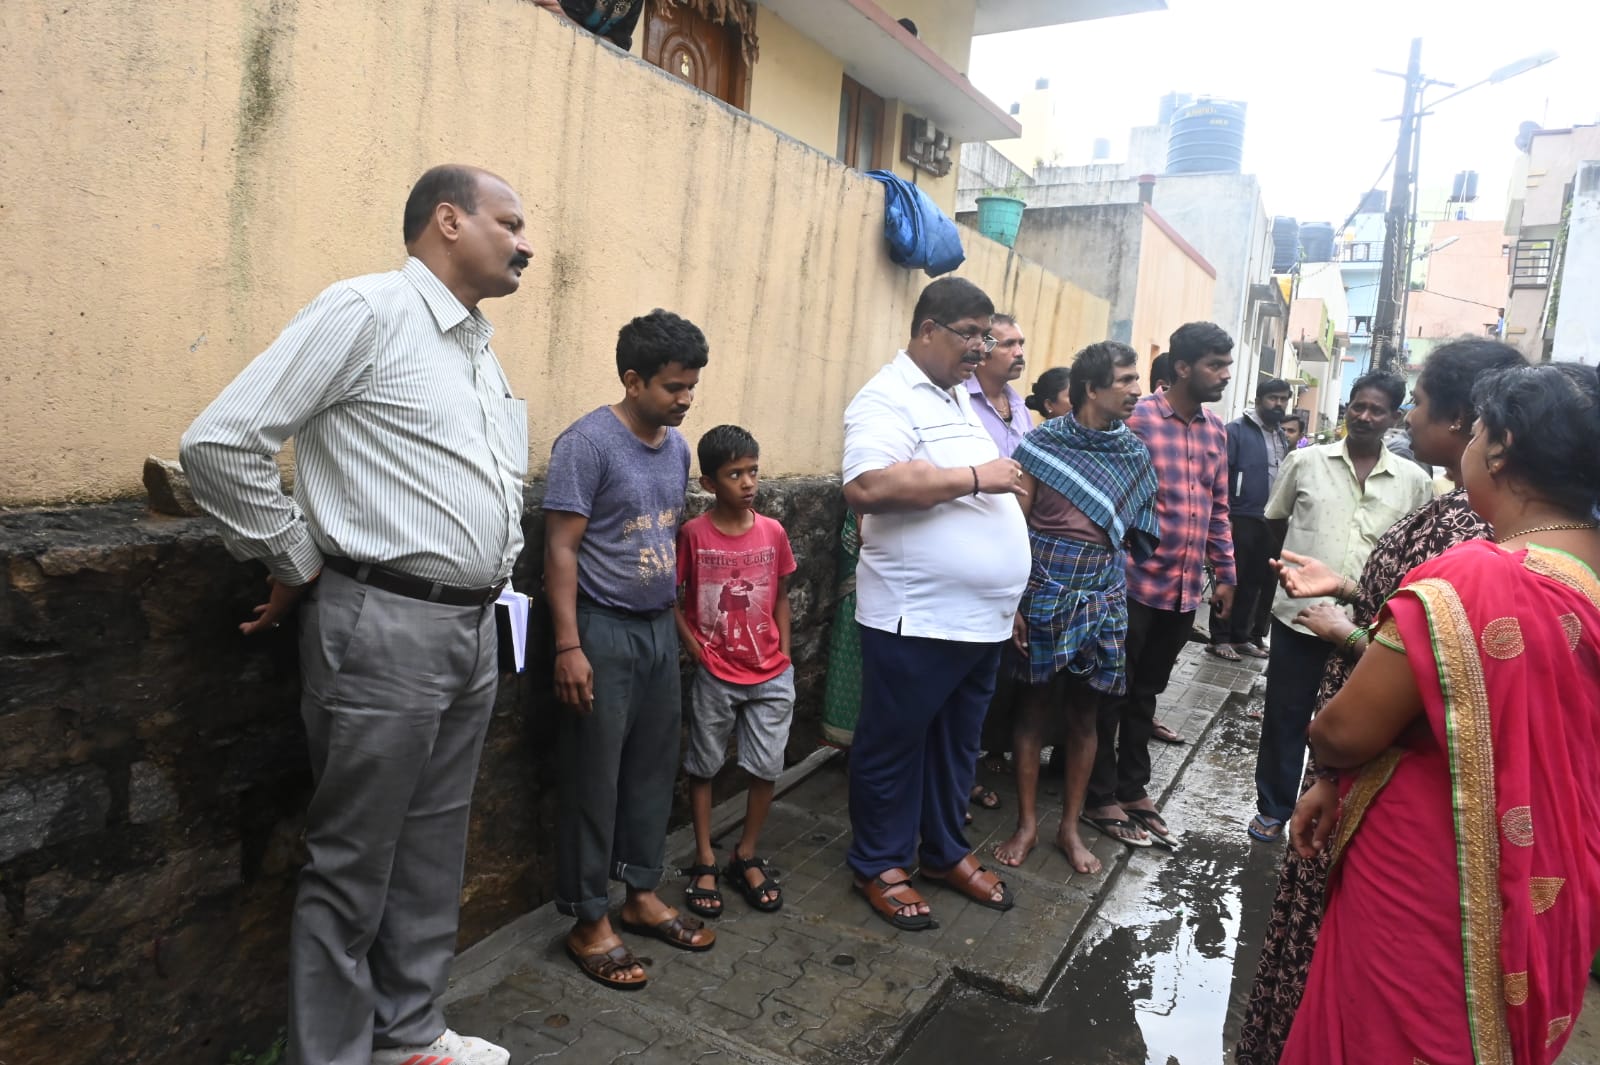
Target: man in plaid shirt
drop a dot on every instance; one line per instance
(1190, 448)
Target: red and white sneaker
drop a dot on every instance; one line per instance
(448, 1049)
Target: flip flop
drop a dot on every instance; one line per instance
(1223, 651)
(1165, 735)
(1106, 825)
(603, 966)
(1253, 651)
(1266, 829)
(1148, 819)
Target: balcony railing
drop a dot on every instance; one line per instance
(1530, 263)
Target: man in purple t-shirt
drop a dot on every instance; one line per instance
(613, 501)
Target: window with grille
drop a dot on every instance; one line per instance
(1530, 263)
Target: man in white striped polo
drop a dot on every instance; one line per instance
(410, 455)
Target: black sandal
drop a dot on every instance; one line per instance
(735, 875)
(703, 902)
(987, 798)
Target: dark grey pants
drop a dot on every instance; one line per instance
(396, 700)
(619, 761)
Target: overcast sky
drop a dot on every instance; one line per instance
(1315, 134)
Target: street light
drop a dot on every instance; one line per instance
(1394, 279)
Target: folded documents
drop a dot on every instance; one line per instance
(511, 620)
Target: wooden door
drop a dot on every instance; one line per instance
(690, 46)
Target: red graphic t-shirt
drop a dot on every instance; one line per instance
(730, 586)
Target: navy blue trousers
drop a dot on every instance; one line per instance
(1294, 672)
(915, 752)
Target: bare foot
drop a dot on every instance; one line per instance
(1015, 851)
(1081, 857)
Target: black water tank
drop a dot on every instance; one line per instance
(1316, 241)
(1207, 137)
(1285, 244)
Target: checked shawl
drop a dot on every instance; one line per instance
(1106, 474)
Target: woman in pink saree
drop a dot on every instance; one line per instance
(1464, 903)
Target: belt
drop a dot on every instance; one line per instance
(411, 587)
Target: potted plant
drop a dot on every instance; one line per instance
(1000, 212)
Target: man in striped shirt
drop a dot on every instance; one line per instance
(406, 518)
(1189, 446)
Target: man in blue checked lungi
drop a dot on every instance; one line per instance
(1090, 500)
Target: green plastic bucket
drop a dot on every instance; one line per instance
(999, 217)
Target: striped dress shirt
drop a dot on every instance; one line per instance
(410, 450)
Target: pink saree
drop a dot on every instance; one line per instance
(1464, 906)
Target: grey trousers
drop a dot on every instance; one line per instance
(396, 700)
(619, 761)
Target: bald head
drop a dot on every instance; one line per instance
(450, 183)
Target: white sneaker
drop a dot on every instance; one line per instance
(448, 1049)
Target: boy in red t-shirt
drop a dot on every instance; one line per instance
(733, 620)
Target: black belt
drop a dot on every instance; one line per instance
(411, 587)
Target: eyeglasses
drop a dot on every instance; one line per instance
(983, 340)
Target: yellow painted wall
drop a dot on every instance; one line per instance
(1172, 289)
(945, 26)
(796, 83)
(182, 177)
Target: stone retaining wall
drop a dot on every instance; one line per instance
(153, 777)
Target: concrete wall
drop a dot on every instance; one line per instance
(1466, 282)
(1094, 246)
(1153, 280)
(982, 168)
(945, 26)
(1223, 216)
(1553, 159)
(196, 172)
(1173, 288)
(1577, 333)
(796, 83)
(153, 778)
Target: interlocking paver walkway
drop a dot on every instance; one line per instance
(824, 980)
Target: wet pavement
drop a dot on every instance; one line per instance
(1149, 960)
(824, 980)
(1169, 954)
(1164, 967)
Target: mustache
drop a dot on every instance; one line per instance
(520, 261)
(972, 360)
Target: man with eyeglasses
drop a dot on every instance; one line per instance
(930, 484)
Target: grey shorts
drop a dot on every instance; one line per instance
(762, 711)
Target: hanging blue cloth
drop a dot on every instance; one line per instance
(919, 234)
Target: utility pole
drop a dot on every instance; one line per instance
(1395, 277)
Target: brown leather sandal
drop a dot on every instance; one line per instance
(606, 967)
(975, 882)
(887, 897)
(676, 931)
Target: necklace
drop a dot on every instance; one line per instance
(1558, 527)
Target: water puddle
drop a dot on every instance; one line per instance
(1162, 974)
